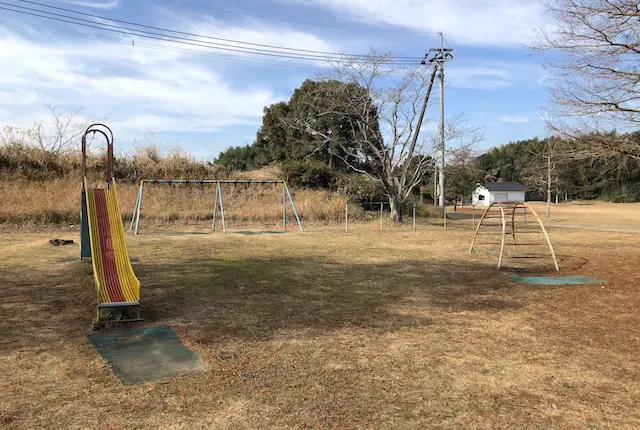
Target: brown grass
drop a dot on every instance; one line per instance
(324, 329)
(593, 213)
(57, 202)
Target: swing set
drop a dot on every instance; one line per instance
(217, 202)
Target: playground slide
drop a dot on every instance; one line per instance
(116, 284)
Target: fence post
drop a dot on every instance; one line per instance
(444, 214)
(473, 216)
(346, 217)
(414, 216)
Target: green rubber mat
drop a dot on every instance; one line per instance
(248, 232)
(145, 354)
(180, 233)
(556, 280)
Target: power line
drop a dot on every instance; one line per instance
(317, 24)
(118, 41)
(151, 35)
(249, 48)
(185, 41)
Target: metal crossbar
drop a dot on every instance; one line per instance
(210, 181)
(286, 195)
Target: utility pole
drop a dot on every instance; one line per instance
(441, 56)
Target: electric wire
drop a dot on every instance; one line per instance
(254, 48)
(118, 41)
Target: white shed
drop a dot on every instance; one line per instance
(492, 192)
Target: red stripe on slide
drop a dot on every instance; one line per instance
(106, 248)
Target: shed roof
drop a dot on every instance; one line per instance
(504, 186)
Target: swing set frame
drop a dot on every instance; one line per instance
(217, 202)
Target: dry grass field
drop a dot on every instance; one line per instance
(57, 203)
(326, 329)
(593, 214)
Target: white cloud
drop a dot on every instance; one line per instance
(107, 4)
(137, 88)
(515, 119)
(469, 22)
(128, 84)
(478, 77)
(216, 32)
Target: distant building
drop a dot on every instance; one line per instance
(492, 192)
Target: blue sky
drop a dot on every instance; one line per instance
(206, 104)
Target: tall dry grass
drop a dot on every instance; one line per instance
(57, 202)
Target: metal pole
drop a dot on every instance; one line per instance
(139, 208)
(293, 206)
(442, 148)
(84, 159)
(442, 145)
(414, 216)
(424, 107)
(473, 216)
(135, 211)
(224, 225)
(346, 217)
(435, 187)
(215, 210)
(284, 206)
(381, 209)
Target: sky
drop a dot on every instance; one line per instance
(206, 100)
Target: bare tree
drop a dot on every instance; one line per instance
(58, 134)
(542, 174)
(382, 114)
(594, 59)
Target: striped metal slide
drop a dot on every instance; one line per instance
(116, 284)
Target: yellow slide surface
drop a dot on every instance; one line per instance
(116, 284)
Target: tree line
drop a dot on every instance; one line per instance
(547, 167)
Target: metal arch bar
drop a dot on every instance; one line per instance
(98, 124)
(503, 236)
(546, 235)
(513, 207)
(84, 153)
(473, 241)
(513, 227)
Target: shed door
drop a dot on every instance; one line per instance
(502, 197)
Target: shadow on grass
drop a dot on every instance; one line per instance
(40, 305)
(254, 299)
